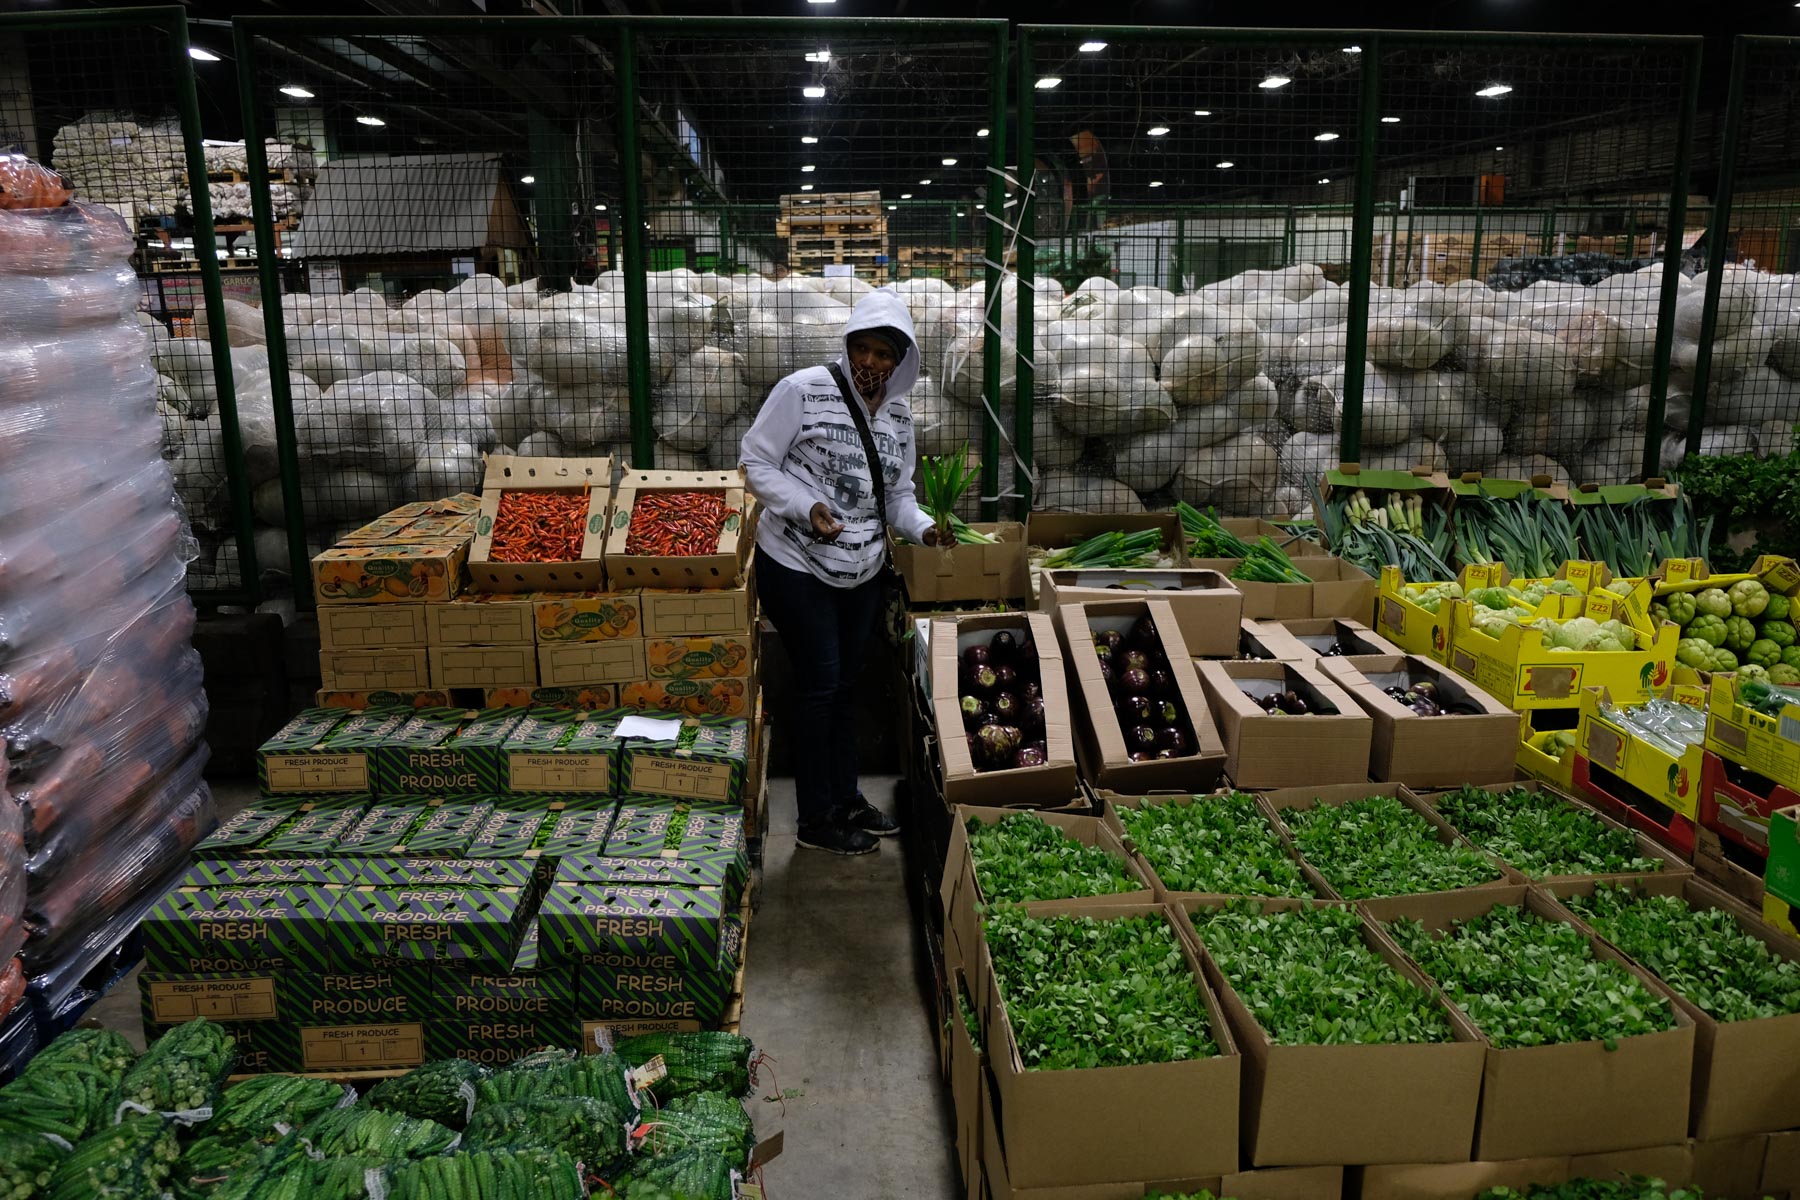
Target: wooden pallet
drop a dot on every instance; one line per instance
(938, 255)
(839, 204)
(832, 227)
(278, 175)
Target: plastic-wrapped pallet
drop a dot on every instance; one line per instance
(101, 706)
(12, 897)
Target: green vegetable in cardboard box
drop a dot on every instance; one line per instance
(1637, 1187)
(1202, 1194)
(1377, 846)
(1739, 634)
(1495, 623)
(1784, 675)
(1749, 598)
(1659, 611)
(1020, 859)
(1584, 634)
(1560, 743)
(1713, 602)
(1541, 834)
(1217, 844)
(1619, 587)
(1722, 660)
(1779, 632)
(1764, 653)
(1779, 609)
(1709, 627)
(1682, 609)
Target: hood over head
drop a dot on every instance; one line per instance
(884, 307)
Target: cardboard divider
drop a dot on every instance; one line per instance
(1112, 802)
(1177, 1119)
(961, 574)
(1207, 607)
(1060, 530)
(511, 473)
(1268, 641)
(1284, 800)
(1427, 751)
(962, 783)
(1100, 745)
(722, 569)
(1276, 751)
(1315, 1105)
(1575, 1097)
(1744, 1079)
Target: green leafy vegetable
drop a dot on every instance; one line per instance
(1310, 979)
(1702, 953)
(943, 480)
(1020, 858)
(1221, 845)
(1083, 993)
(1637, 1187)
(1526, 981)
(1541, 835)
(1379, 847)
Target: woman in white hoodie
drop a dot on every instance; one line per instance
(821, 542)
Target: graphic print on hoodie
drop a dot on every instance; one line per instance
(804, 449)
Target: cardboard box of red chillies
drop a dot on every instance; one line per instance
(679, 529)
(542, 525)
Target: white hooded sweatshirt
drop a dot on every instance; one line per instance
(804, 450)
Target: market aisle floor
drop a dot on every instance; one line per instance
(832, 996)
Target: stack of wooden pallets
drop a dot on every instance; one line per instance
(833, 227)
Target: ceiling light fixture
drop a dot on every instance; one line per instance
(1225, 164)
(528, 179)
(818, 56)
(924, 183)
(1092, 47)
(1274, 81)
(1494, 89)
(906, 195)
(808, 169)
(808, 140)
(1327, 136)
(1327, 179)
(599, 208)
(948, 162)
(813, 93)
(365, 120)
(981, 206)
(1390, 120)
(893, 208)
(1499, 147)
(296, 91)
(982, 132)
(1203, 112)
(1156, 183)
(1352, 49)
(201, 54)
(806, 187)
(1048, 82)
(1156, 130)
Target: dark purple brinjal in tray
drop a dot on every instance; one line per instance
(1002, 703)
(1145, 698)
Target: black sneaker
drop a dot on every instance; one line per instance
(837, 837)
(860, 814)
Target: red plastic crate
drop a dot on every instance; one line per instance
(1653, 818)
(1752, 830)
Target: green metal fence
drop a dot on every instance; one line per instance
(107, 98)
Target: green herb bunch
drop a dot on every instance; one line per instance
(1217, 844)
(1703, 953)
(1378, 846)
(1083, 993)
(1637, 1187)
(1021, 858)
(1526, 981)
(1202, 1194)
(1310, 979)
(1541, 835)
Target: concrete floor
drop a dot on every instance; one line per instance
(832, 998)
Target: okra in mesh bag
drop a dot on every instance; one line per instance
(181, 1072)
(443, 1091)
(351, 1132)
(684, 1175)
(248, 1119)
(128, 1161)
(538, 1174)
(28, 1161)
(278, 1175)
(560, 1073)
(705, 1121)
(591, 1130)
(693, 1062)
(71, 1088)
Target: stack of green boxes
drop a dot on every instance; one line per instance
(429, 883)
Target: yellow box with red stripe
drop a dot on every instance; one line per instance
(1417, 630)
(1672, 780)
(1521, 669)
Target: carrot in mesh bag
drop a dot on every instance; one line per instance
(26, 184)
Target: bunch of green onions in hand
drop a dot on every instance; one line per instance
(943, 480)
(1532, 535)
(1206, 537)
(1404, 532)
(1112, 550)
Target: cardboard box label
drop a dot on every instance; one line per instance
(696, 612)
(706, 761)
(485, 666)
(689, 697)
(362, 1047)
(600, 695)
(588, 618)
(173, 1000)
(578, 664)
(371, 626)
(356, 997)
(362, 670)
(698, 658)
(481, 619)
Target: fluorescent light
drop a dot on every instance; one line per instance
(808, 140)
(924, 183)
(367, 120)
(948, 162)
(1156, 130)
(1225, 164)
(821, 1)
(296, 91)
(1503, 147)
(1092, 47)
(893, 208)
(528, 179)
(1274, 81)
(808, 169)
(982, 132)
(599, 208)
(201, 54)
(1156, 183)
(806, 187)
(1494, 89)
(1327, 179)
(818, 56)
(813, 93)
(906, 195)
(1049, 81)
(1203, 112)
(980, 206)
(1327, 136)
(1352, 49)
(1390, 120)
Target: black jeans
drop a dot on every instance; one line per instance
(825, 631)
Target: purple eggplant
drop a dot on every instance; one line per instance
(1172, 737)
(1136, 710)
(1171, 752)
(974, 713)
(1141, 755)
(1133, 681)
(1030, 756)
(1143, 633)
(1136, 660)
(1162, 682)
(1112, 639)
(1167, 712)
(975, 656)
(984, 681)
(1003, 647)
(1008, 677)
(1033, 690)
(1034, 713)
(1007, 708)
(1106, 672)
(997, 744)
(1140, 737)
(1103, 652)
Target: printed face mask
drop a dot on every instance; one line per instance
(869, 379)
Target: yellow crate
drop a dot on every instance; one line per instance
(1673, 781)
(1770, 746)
(1412, 628)
(1519, 670)
(1534, 761)
(1779, 914)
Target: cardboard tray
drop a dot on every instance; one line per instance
(962, 783)
(1207, 607)
(1337, 590)
(963, 574)
(721, 569)
(1427, 751)
(510, 473)
(1265, 751)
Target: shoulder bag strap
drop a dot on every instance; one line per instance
(877, 475)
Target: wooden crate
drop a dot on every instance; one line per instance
(836, 204)
(805, 224)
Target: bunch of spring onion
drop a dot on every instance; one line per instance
(1206, 537)
(1531, 534)
(1636, 537)
(943, 480)
(1265, 562)
(1111, 550)
(1403, 533)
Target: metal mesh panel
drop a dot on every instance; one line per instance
(100, 101)
(1524, 192)
(446, 284)
(792, 168)
(1192, 243)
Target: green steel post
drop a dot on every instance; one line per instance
(1718, 230)
(1671, 280)
(1362, 245)
(1475, 244)
(1025, 407)
(268, 274)
(1549, 229)
(553, 168)
(1393, 245)
(205, 247)
(1180, 252)
(637, 278)
(1289, 239)
(996, 258)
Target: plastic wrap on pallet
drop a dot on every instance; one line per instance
(101, 707)
(18, 1041)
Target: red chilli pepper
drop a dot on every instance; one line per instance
(539, 527)
(677, 524)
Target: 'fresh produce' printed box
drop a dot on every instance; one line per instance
(582, 830)
(508, 832)
(646, 871)
(463, 927)
(270, 872)
(613, 988)
(243, 832)
(694, 833)
(315, 832)
(383, 828)
(297, 759)
(496, 1017)
(578, 922)
(444, 752)
(706, 760)
(561, 751)
(401, 993)
(472, 873)
(239, 929)
(448, 826)
(1519, 667)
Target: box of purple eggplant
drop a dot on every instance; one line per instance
(1286, 725)
(1002, 710)
(1143, 719)
(1432, 728)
